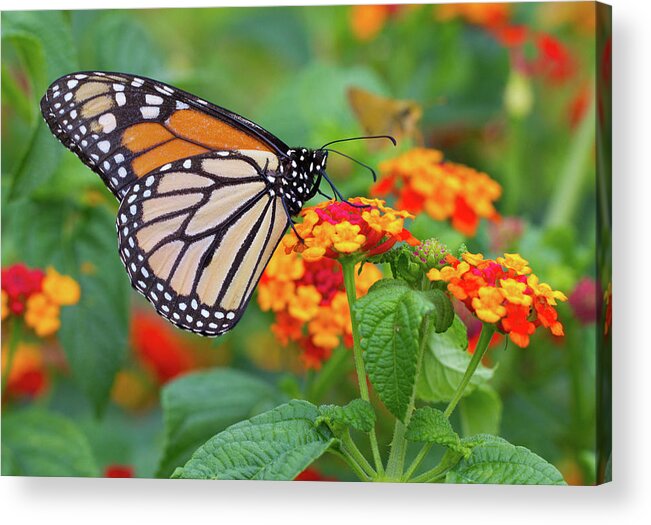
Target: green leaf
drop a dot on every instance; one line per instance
(94, 332)
(276, 445)
(481, 411)
(199, 405)
(444, 363)
(499, 462)
(40, 443)
(52, 32)
(357, 414)
(37, 165)
(390, 318)
(429, 425)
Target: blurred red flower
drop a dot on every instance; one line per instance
(583, 300)
(312, 474)
(118, 471)
(162, 351)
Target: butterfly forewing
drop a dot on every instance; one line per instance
(124, 126)
(195, 239)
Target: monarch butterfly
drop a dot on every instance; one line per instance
(205, 194)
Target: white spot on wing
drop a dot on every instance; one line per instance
(153, 99)
(149, 112)
(108, 122)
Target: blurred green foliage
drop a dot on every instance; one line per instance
(288, 69)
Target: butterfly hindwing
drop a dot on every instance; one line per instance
(196, 235)
(123, 126)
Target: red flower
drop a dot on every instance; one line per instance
(19, 282)
(118, 471)
(159, 348)
(583, 300)
(312, 474)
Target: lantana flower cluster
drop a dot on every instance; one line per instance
(37, 296)
(422, 181)
(309, 302)
(504, 292)
(360, 226)
(27, 376)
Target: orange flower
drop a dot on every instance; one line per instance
(482, 14)
(28, 374)
(38, 296)
(5, 305)
(503, 292)
(61, 289)
(422, 181)
(42, 315)
(367, 21)
(315, 312)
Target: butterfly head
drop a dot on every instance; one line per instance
(302, 172)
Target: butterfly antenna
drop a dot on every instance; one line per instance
(355, 161)
(367, 137)
(324, 195)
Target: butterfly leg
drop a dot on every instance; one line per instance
(291, 222)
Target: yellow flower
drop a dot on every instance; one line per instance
(61, 289)
(513, 292)
(473, 258)
(513, 261)
(488, 306)
(544, 290)
(285, 267)
(306, 303)
(347, 238)
(325, 329)
(448, 272)
(369, 275)
(276, 295)
(42, 315)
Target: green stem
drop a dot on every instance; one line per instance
(487, 331)
(331, 371)
(432, 474)
(567, 195)
(417, 460)
(396, 461)
(486, 335)
(352, 449)
(345, 455)
(348, 268)
(15, 330)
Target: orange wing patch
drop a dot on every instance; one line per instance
(211, 132)
(187, 132)
(165, 153)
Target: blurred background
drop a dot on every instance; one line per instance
(505, 89)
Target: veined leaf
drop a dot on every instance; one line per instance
(444, 364)
(276, 445)
(199, 405)
(495, 460)
(390, 318)
(429, 425)
(40, 443)
(357, 414)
